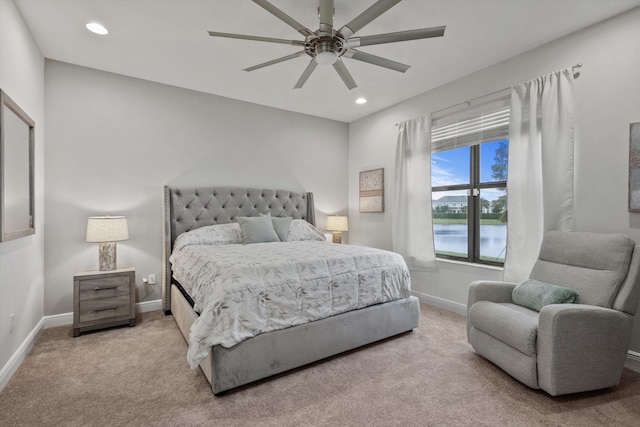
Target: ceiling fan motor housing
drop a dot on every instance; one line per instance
(326, 49)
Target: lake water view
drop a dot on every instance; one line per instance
(453, 238)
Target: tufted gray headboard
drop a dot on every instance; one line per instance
(186, 209)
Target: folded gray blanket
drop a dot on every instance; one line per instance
(534, 294)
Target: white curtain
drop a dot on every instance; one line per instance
(540, 171)
(411, 226)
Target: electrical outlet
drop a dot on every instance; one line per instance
(12, 316)
(152, 279)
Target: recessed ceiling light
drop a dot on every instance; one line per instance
(94, 27)
(361, 100)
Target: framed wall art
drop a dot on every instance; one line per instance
(634, 167)
(372, 190)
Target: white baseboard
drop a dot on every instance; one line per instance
(633, 360)
(53, 321)
(145, 306)
(442, 303)
(18, 357)
(56, 320)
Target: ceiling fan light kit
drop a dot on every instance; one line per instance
(326, 58)
(328, 46)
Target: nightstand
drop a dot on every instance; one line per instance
(102, 299)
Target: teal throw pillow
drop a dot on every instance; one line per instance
(281, 225)
(534, 294)
(258, 229)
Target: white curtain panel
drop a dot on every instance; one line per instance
(411, 226)
(540, 171)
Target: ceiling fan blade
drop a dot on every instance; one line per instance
(400, 36)
(275, 61)
(326, 16)
(344, 74)
(377, 9)
(306, 73)
(256, 38)
(284, 17)
(376, 60)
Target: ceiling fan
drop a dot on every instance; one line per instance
(327, 46)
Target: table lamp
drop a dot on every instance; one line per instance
(337, 224)
(107, 230)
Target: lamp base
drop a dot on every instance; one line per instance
(107, 256)
(337, 237)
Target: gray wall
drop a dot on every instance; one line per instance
(21, 260)
(606, 102)
(114, 141)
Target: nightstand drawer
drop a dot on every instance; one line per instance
(104, 308)
(104, 288)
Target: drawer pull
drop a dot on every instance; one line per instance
(103, 288)
(112, 307)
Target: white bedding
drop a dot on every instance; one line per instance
(243, 290)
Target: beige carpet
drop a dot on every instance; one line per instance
(431, 377)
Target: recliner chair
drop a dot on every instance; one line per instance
(563, 348)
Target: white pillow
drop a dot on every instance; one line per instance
(302, 230)
(219, 234)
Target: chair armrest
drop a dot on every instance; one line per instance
(482, 290)
(581, 347)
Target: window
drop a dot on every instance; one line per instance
(469, 182)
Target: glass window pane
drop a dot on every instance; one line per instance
(450, 167)
(450, 233)
(493, 160)
(493, 224)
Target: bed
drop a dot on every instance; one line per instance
(269, 350)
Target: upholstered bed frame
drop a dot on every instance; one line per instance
(278, 351)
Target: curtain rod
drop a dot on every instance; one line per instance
(576, 74)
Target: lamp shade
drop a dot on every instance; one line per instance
(337, 223)
(107, 229)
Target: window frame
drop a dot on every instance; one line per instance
(471, 124)
(474, 210)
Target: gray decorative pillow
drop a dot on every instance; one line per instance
(534, 294)
(257, 229)
(281, 226)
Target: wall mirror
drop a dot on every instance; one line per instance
(16, 171)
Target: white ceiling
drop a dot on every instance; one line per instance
(166, 41)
